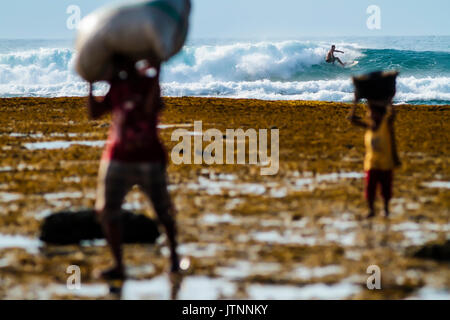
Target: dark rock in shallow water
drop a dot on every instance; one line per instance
(71, 227)
(439, 252)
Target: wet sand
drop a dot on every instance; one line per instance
(300, 234)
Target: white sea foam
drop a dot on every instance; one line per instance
(271, 70)
(283, 60)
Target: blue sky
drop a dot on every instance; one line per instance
(260, 19)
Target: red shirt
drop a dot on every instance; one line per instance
(135, 103)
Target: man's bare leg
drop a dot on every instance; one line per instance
(113, 235)
(166, 212)
(339, 60)
(166, 218)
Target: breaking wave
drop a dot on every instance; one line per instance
(264, 70)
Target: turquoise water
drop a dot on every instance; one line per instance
(265, 69)
(409, 63)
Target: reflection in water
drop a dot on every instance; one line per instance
(115, 289)
(176, 280)
(378, 233)
(385, 234)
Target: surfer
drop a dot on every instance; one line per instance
(330, 58)
(134, 154)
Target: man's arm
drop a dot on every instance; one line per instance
(97, 108)
(339, 51)
(154, 93)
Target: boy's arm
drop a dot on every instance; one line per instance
(391, 114)
(97, 108)
(355, 120)
(391, 119)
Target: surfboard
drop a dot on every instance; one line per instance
(351, 64)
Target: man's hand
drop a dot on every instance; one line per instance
(91, 90)
(97, 108)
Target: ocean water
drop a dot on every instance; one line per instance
(267, 69)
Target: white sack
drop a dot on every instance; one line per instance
(138, 30)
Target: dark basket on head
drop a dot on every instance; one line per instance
(375, 86)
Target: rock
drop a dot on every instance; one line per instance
(71, 227)
(439, 252)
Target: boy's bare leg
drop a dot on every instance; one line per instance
(386, 190)
(386, 208)
(339, 60)
(371, 188)
(371, 205)
(397, 161)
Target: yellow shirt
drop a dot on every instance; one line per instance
(379, 147)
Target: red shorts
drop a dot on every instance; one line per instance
(381, 177)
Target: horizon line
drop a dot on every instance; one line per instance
(254, 38)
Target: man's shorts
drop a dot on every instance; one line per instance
(115, 180)
(379, 177)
